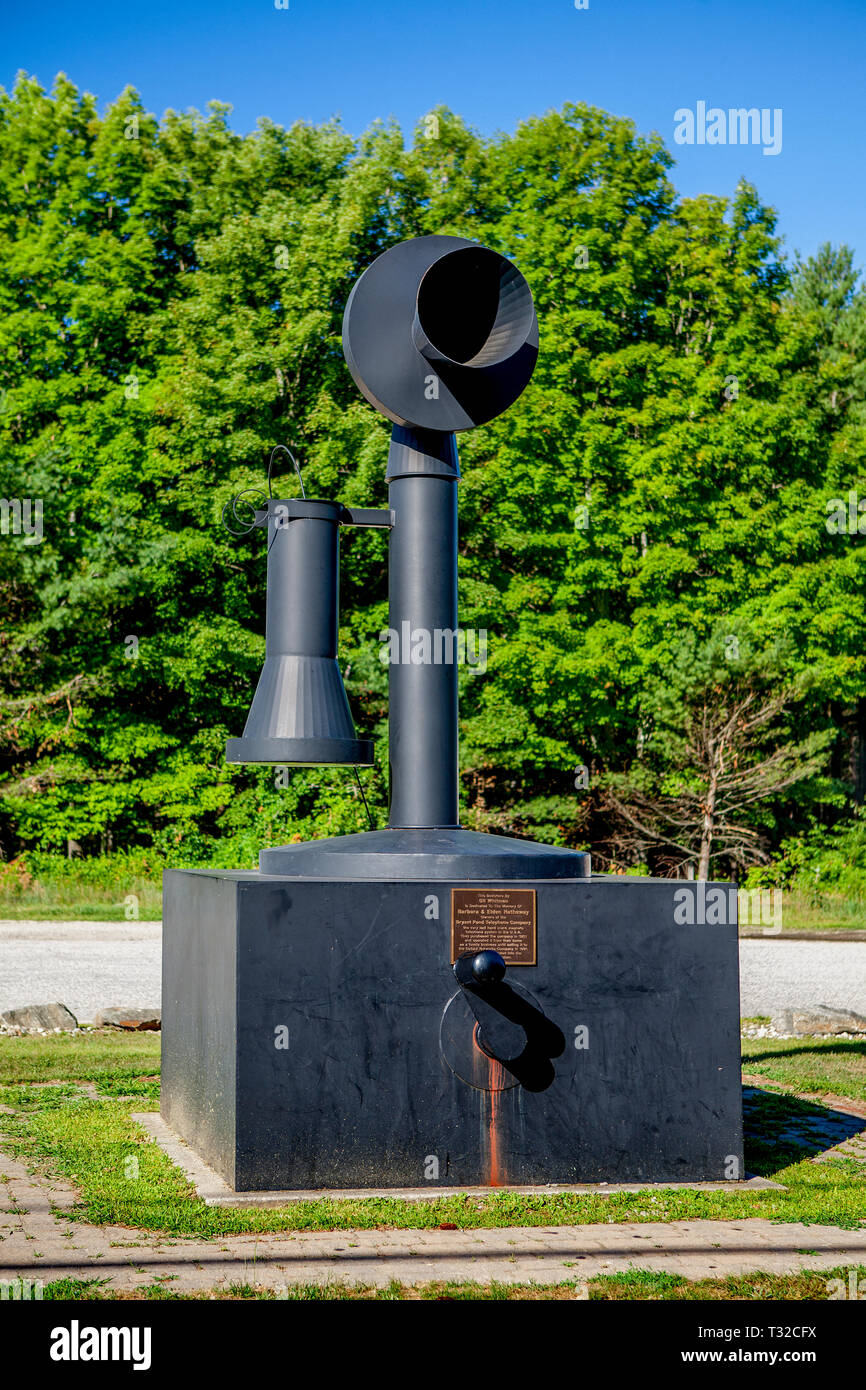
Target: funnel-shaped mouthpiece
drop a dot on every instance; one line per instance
(440, 333)
(300, 712)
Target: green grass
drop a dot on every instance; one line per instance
(69, 897)
(831, 1066)
(81, 910)
(88, 1140)
(640, 1285)
(808, 912)
(89, 1056)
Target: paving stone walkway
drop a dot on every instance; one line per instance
(39, 1241)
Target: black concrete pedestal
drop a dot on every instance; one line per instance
(314, 1036)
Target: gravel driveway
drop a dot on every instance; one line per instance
(93, 965)
(87, 966)
(778, 975)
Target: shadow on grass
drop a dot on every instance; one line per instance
(780, 1130)
(845, 1047)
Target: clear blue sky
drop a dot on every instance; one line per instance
(496, 62)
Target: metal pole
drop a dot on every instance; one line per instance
(423, 473)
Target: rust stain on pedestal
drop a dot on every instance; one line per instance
(491, 1082)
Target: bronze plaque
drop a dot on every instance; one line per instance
(494, 919)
